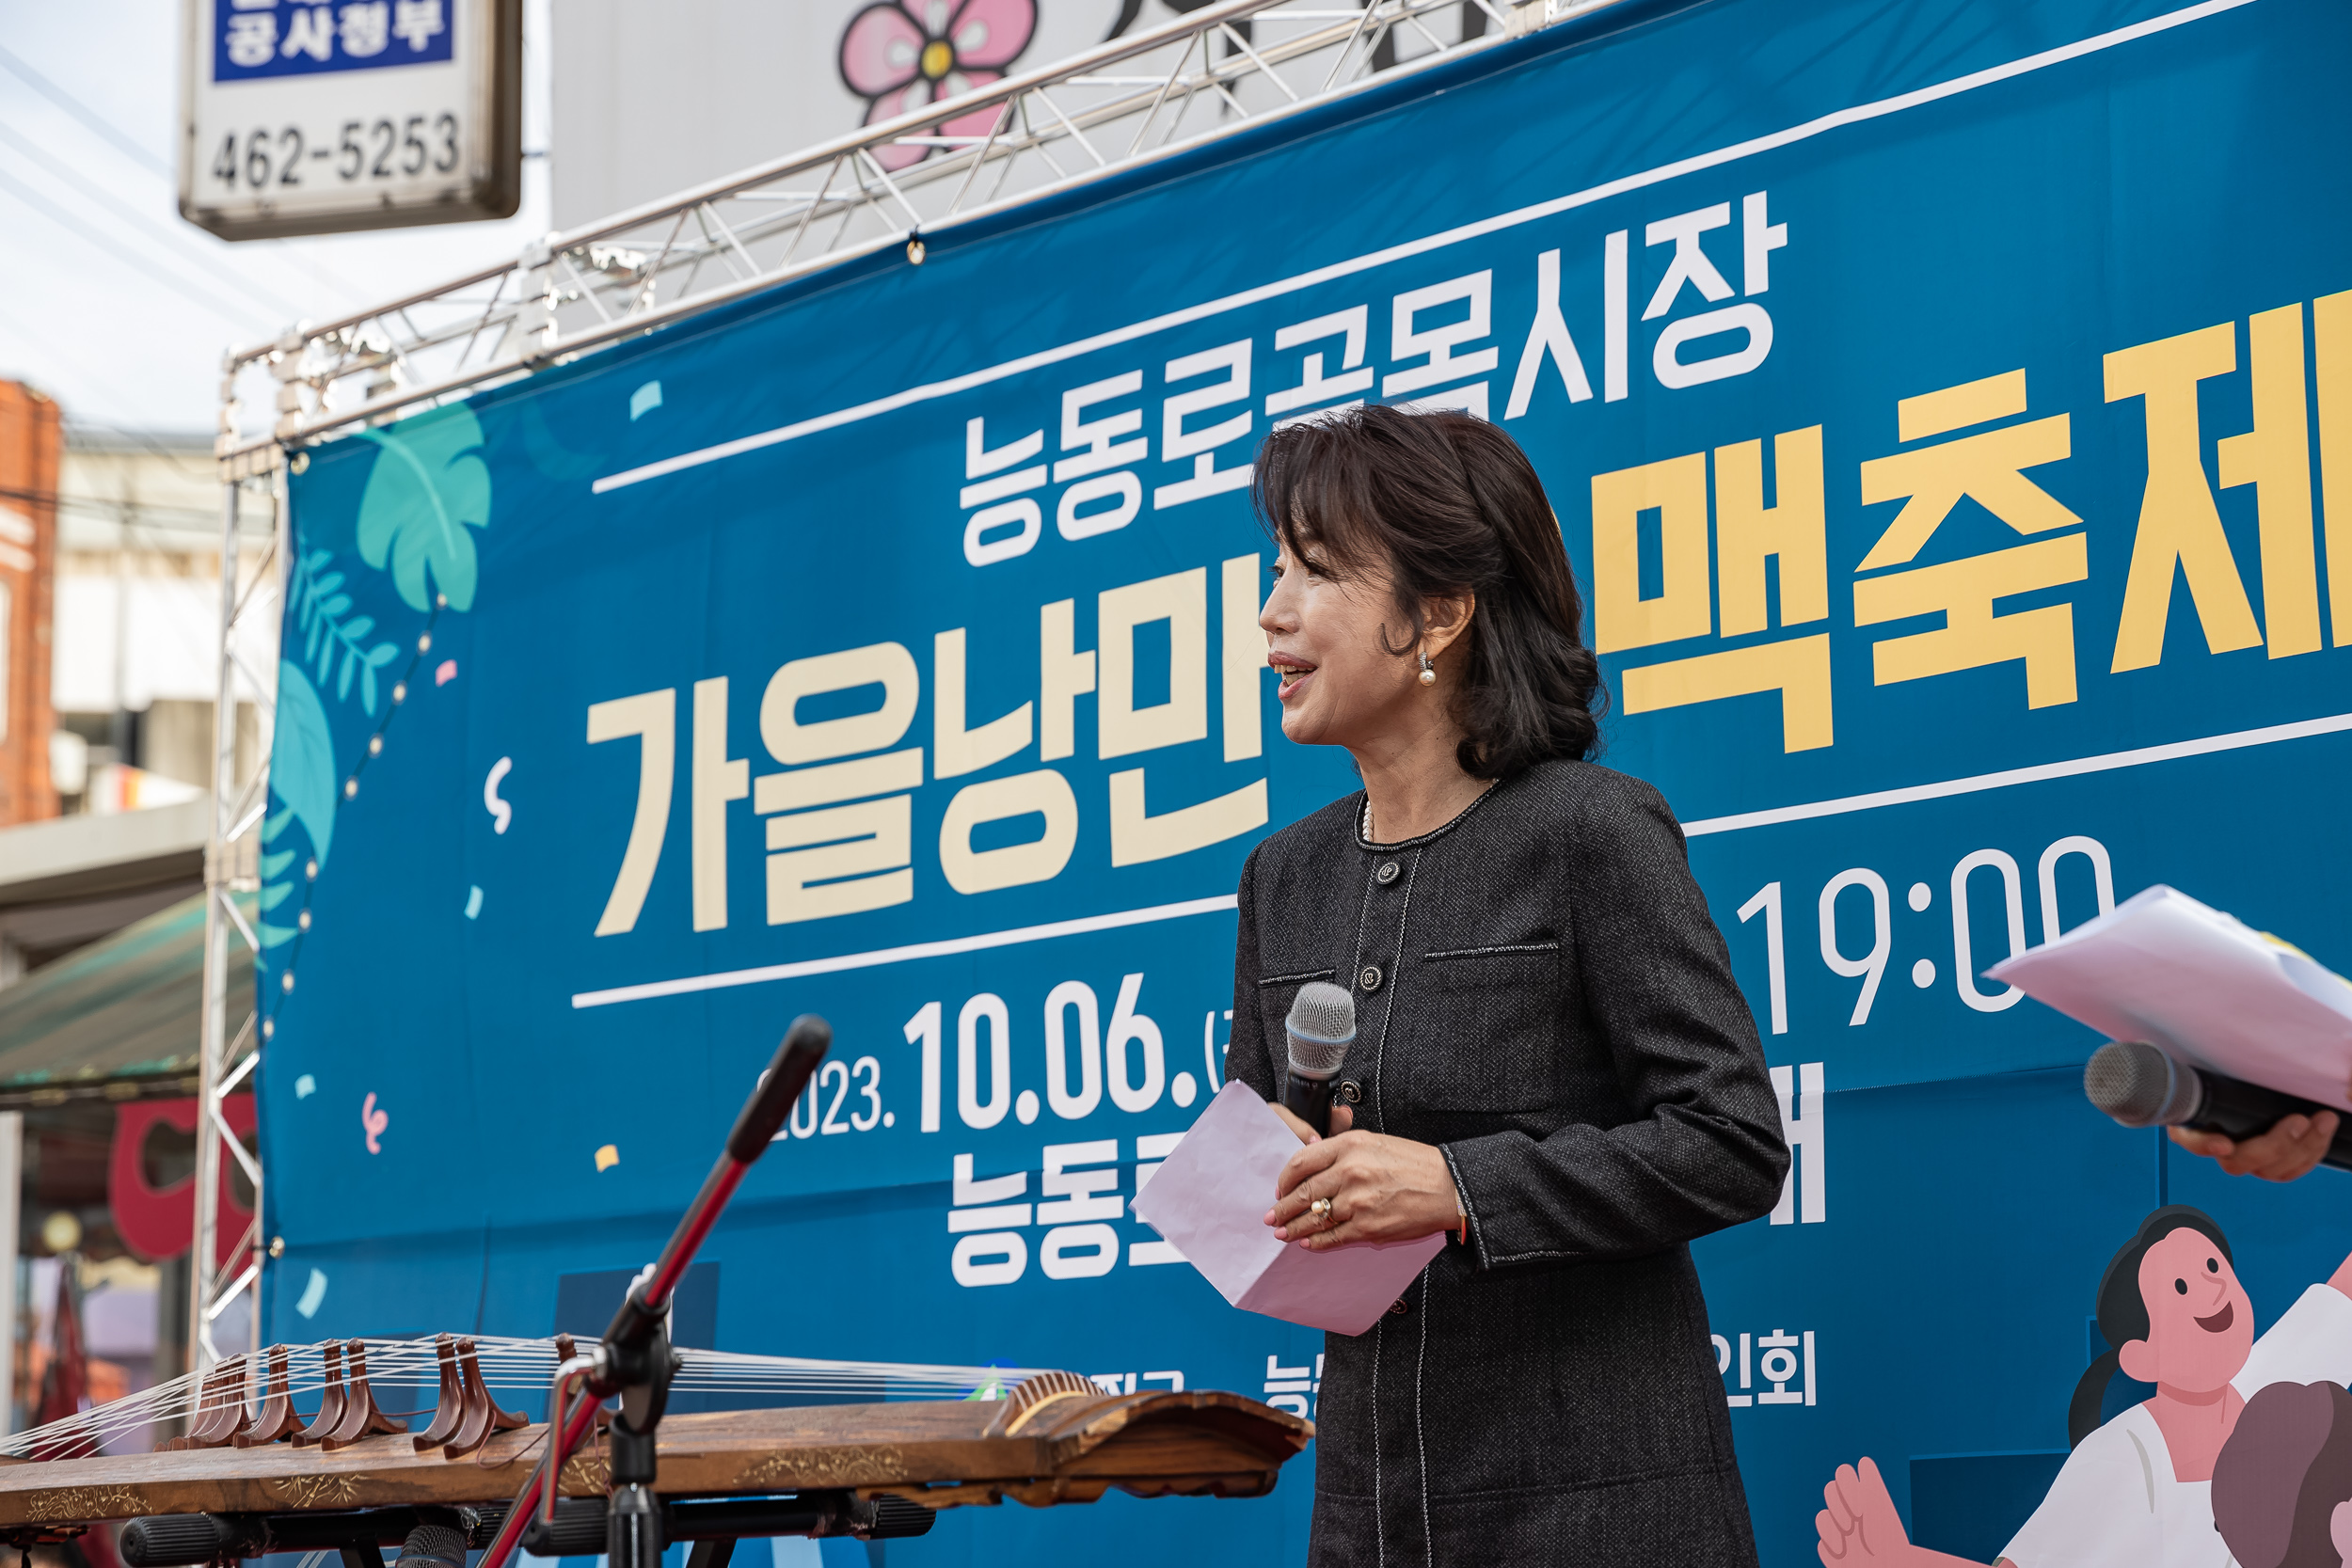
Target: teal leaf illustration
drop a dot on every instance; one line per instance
(302, 763)
(275, 936)
(317, 609)
(273, 865)
(428, 488)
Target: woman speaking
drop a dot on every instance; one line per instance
(1551, 1060)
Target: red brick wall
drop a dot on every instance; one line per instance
(29, 447)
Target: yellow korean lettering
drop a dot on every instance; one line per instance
(1973, 636)
(1045, 794)
(1797, 669)
(718, 779)
(2178, 521)
(652, 716)
(1675, 488)
(2331, 347)
(869, 844)
(957, 751)
(1137, 836)
(1987, 466)
(1747, 531)
(1181, 599)
(1065, 674)
(1245, 666)
(2274, 458)
(1995, 397)
(887, 665)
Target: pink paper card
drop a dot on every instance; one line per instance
(1209, 1199)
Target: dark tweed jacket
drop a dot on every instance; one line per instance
(1541, 993)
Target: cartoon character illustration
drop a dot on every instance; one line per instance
(902, 55)
(2282, 1487)
(2138, 1491)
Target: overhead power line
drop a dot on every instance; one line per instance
(122, 141)
(82, 186)
(178, 284)
(90, 118)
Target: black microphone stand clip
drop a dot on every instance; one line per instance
(637, 1363)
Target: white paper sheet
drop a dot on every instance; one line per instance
(2166, 969)
(1209, 1199)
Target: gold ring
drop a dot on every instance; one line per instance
(1320, 1208)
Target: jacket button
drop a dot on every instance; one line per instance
(1351, 1091)
(1398, 1307)
(1387, 873)
(1370, 978)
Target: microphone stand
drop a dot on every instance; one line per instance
(635, 1362)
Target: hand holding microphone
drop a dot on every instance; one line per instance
(1321, 1026)
(2246, 1128)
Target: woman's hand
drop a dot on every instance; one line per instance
(2289, 1150)
(1381, 1188)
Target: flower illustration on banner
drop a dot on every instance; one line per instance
(902, 55)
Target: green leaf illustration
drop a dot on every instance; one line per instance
(302, 762)
(429, 487)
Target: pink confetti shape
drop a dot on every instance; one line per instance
(374, 1121)
(446, 674)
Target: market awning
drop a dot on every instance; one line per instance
(119, 1020)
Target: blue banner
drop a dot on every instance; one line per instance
(261, 37)
(1948, 409)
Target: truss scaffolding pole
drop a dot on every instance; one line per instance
(229, 1038)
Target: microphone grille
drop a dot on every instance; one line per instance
(2136, 1084)
(431, 1545)
(1322, 1025)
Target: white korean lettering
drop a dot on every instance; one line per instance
(1548, 336)
(1806, 1133)
(989, 484)
(417, 22)
(1760, 239)
(1094, 445)
(1689, 263)
(309, 30)
(1351, 327)
(251, 39)
(1177, 444)
(367, 28)
(1410, 340)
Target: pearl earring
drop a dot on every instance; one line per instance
(1428, 676)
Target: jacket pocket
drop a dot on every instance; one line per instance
(1490, 1030)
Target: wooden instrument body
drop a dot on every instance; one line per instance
(1057, 1445)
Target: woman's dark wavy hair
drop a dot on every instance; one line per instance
(1448, 504)
(2124, 1311)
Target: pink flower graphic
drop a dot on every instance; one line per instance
(902, 55)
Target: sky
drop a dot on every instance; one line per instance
(116, 305)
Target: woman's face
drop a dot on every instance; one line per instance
(2201, 1325)
(1341, 686)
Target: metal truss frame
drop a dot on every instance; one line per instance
(229, 1048)
(1117, 107)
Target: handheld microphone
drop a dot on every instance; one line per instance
(2142, 1086)
(1322, 1025)
(433, 1545)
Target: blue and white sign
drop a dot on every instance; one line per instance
(263, 37)
(305, 119)
(1948, 409)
